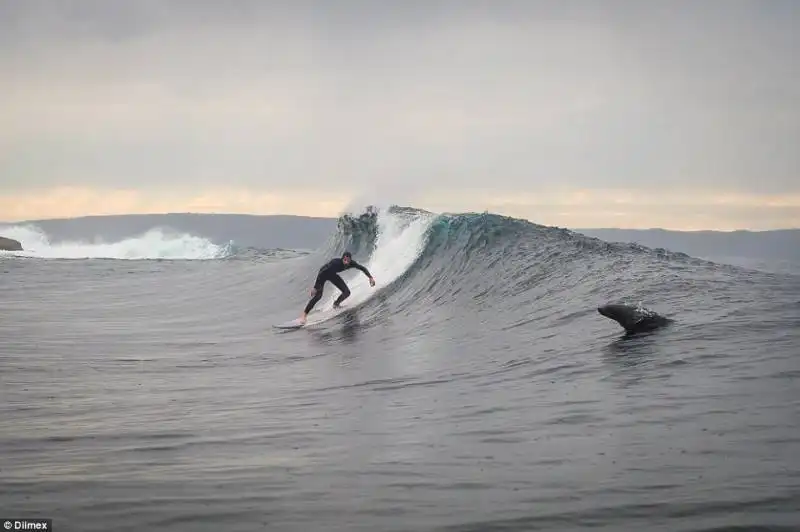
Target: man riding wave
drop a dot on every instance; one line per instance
(330, 272)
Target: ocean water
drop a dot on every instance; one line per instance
(476, 387)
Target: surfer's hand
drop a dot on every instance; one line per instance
(371, 281)
(313, 292)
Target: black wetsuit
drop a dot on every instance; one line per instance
(330, 272)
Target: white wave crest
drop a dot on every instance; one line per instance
(400, 241)
(153, 244)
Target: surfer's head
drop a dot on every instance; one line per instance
(347, 257)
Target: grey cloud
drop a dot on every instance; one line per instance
(514, 94)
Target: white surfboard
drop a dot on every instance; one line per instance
(314, 317)
(294, 324)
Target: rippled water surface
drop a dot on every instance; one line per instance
(476, 387)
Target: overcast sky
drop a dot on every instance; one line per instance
(580, 114)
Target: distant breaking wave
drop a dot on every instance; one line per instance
(154, 244)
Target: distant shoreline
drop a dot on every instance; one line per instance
(287, 231)
(333, 219)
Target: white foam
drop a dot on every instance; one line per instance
(154, 244)
(400, 241)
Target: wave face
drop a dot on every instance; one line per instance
(488, 263)
(476, 387)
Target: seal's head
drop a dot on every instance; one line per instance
(618, 313)
(633, 319)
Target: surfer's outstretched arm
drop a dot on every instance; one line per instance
(364, 270)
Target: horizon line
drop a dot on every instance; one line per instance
(276, 215)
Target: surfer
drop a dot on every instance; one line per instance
(330, 272)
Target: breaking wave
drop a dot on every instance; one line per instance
(481, 262)
(153, 244)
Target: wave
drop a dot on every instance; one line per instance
(473, 263)
(153, 244)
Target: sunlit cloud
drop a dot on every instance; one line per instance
(68, 202)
